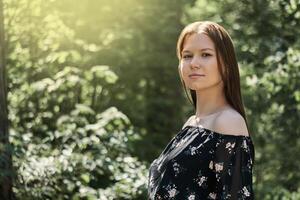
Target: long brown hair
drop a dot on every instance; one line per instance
(225, 55)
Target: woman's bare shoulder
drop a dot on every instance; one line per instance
(230, 122)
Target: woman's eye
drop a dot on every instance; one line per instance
(187, 56)
(205, 54)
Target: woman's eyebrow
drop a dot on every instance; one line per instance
(199, 50)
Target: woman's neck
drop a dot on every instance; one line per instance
(210, 101)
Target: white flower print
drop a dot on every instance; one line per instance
(219, 166)
(172, 192)
(158, 197)
(176, 168)
(201, 180)
(193, 150)
(245, 146)
(212, 195)
(211, 165)
(218, 177)
(246, 192)
(191, 197)
(230, 146)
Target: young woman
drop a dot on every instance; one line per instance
(212, 156)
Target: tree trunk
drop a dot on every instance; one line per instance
(5, 150)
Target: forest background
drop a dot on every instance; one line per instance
(94, 93)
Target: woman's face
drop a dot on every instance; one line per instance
(199, 57)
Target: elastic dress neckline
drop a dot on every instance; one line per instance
(219, 134)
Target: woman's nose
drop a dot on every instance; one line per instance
(195, 62)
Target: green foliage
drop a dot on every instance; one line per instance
(68, 143)
(80, 160)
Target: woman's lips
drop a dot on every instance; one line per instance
(194, 76)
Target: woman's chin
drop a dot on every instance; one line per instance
(196, 88)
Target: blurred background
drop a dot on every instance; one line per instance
(94, 93)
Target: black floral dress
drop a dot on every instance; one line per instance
(200, 164)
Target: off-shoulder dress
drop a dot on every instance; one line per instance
(200, 164)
